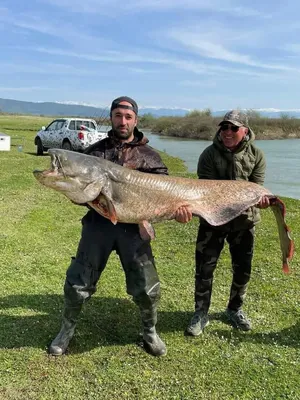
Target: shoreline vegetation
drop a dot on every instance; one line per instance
(201, 125)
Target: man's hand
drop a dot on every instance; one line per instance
(264, 202)
(183, 214)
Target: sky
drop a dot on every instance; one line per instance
(191, 54)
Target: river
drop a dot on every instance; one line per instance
(282, 156)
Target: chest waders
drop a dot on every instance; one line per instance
(98, 240)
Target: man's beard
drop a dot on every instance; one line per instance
(122, 135)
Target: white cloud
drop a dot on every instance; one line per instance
(24, 88)
(196, 67)
(46, 68)
(209, 48)
(109, 7)
(196, 83)
(74, 34)
(143, 70)
(219, 7)
(87, 6)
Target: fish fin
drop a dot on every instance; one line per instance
(147, 231)
(106, 195)
(285, 268)
(112, 212)
(91, 190)
(218, 212)
(105, 207)
(286, 243)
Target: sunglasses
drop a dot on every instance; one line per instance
(225, 127)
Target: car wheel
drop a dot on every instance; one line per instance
(67, 145)
(39, 147)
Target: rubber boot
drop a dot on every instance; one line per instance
(60, 344)
(153, 343)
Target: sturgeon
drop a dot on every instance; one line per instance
(126, 195)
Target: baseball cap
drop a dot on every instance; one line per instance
(117, 101)
(235, 117)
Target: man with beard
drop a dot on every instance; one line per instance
(127, 146)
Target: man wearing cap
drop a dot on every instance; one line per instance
(232, 156)
(127, 146)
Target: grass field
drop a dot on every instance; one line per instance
(39, 233)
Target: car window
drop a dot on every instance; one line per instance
(60, 124)
(78, 125)
(52, 126)
(72, 125)
(89, 124)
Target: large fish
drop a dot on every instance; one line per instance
(125, 195)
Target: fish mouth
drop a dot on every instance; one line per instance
(56, 165)
(55, 170)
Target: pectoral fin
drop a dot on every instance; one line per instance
(105, 207)
(147, 231)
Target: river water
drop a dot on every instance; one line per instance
(282, 156)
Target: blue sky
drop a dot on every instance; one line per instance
(190, 54)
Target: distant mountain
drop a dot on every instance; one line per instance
(85, 110)
(73, 109)
(163, 112)
(50, 109)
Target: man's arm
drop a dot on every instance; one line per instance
(259, 171)
(153, 163)
(258, 176)
(206, 168)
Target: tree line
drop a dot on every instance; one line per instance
(201, 124)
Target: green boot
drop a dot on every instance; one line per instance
(153, 343)
(59, 345)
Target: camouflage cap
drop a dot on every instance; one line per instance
(235, 117)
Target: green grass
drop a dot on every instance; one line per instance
(39, 233)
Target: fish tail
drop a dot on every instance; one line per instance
(286, 243)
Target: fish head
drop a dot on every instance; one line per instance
(78, 176)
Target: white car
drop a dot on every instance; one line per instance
(74, 134)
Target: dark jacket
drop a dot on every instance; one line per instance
(247, 163)
(135, 155)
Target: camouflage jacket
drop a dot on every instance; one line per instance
(135, 155)
(247, 163)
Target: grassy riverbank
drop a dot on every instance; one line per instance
(39, 233)
(196, 125)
